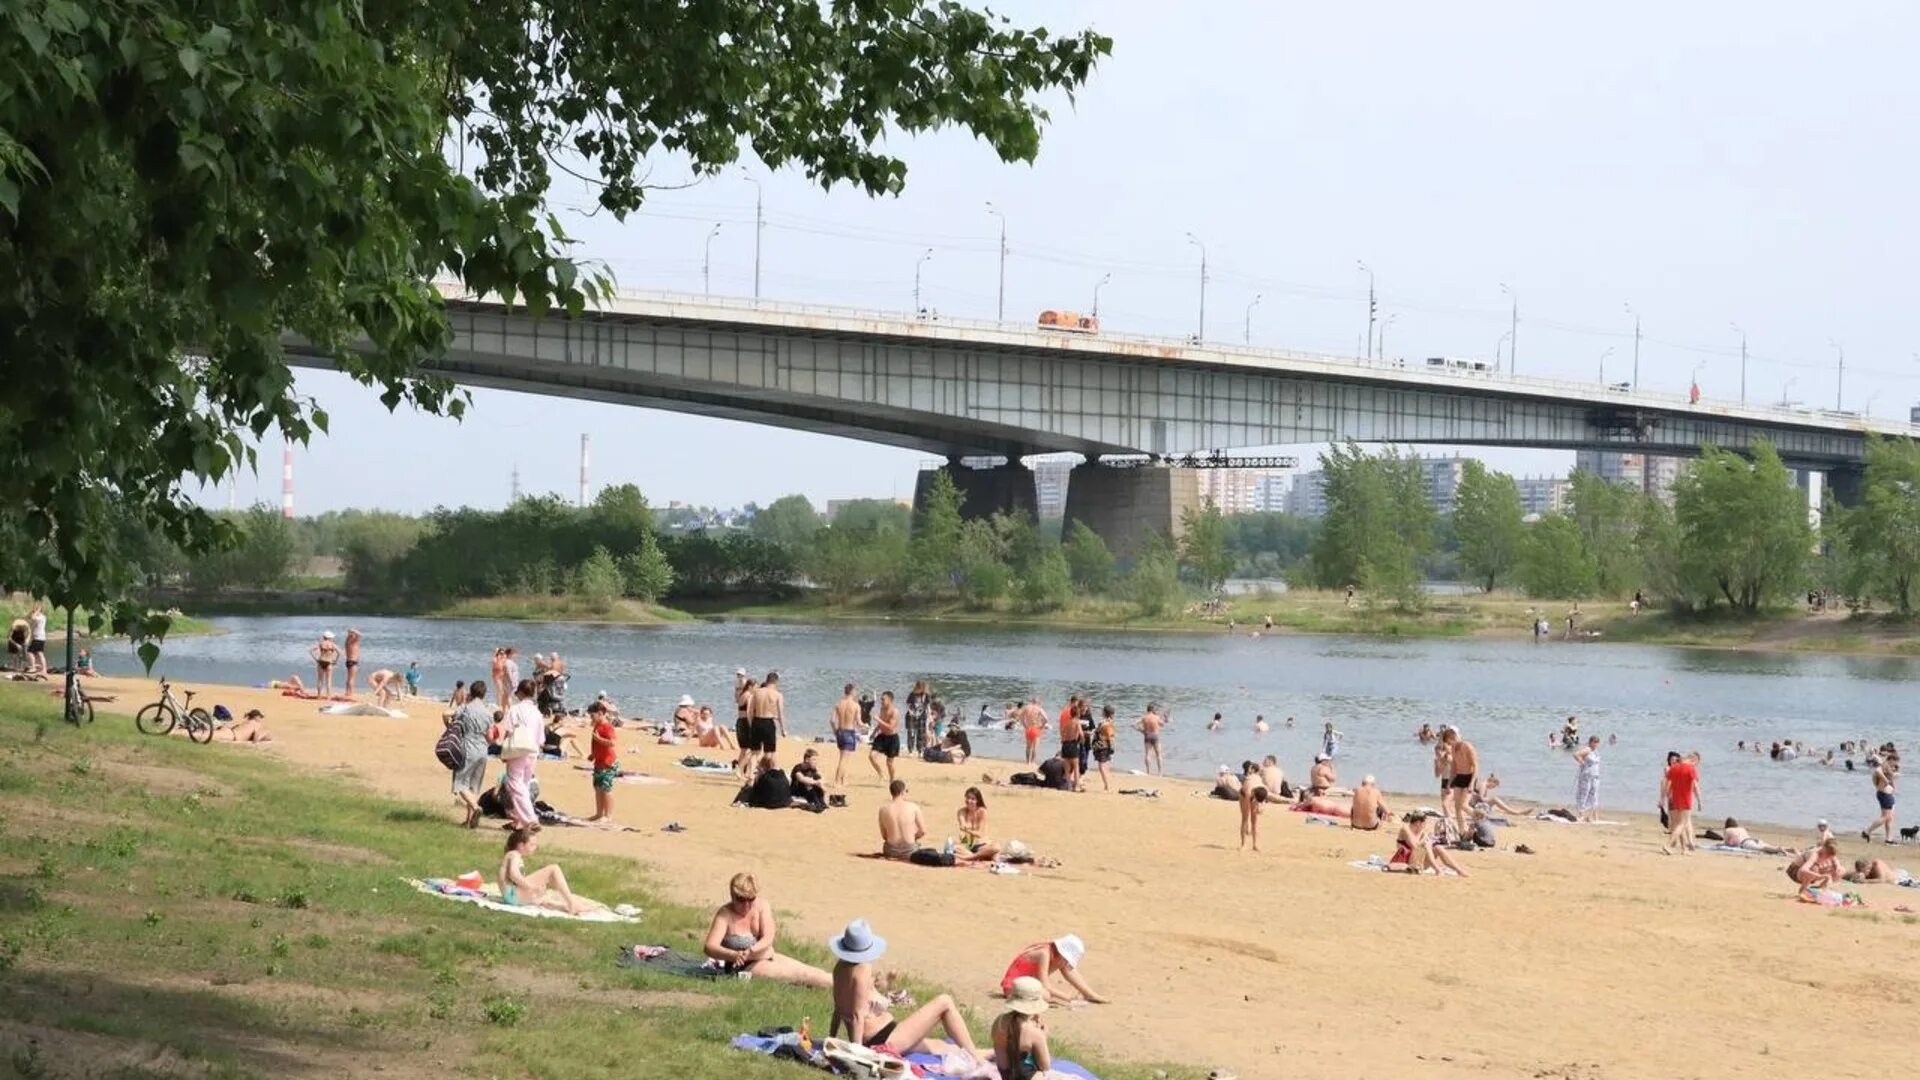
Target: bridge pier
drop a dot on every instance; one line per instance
(1125, 505)
(1848, 484)
(1002, 489)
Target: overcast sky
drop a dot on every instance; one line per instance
(1709, 163)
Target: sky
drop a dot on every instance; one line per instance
(1707, 164)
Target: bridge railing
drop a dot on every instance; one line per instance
(1030, 334)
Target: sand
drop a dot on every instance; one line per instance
(1596, 957)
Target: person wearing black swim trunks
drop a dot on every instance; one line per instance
(743, 702)
(1464, 761)
(769, 717)
(1070, 741)
(886, 737)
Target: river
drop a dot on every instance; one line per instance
(1505, 695)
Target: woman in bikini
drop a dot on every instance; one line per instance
(972, 820)
(1020, 1050)
(860, 1008)
(1063, 955)
(545, 887)
(742, 937)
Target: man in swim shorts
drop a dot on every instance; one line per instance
(351, 654)
(1033, 721)
(1070, 739)
(886, 737)
(901, 822)
(846, 733)
(1883, 785)
(1465, 763)
(769, 712)
(1149, 727)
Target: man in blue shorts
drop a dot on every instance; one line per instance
(846, 733)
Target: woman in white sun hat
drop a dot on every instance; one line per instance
(1019, 1035)
(1063, 955)
(862, 1010)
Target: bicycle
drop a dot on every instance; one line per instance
(161, 717)
(79, 707)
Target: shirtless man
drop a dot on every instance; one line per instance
(385, 684)
(1874, 870)
(1464, 761)
(1272, 776)
(846, 733)
(901, 823)
(743, 722)
(1149, 727)
(1321, 779)
(1737, 836)
(352, 656)
(886, 737)
(1033, 721)
(1367, 812)
(767, 721)
(1884, 775)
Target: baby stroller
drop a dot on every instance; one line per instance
(552, 694)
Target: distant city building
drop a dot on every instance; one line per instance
(1443, 480)
(1653, 475)
(1308, 495)
(1240, 491)
(1270, 494)
(1542, 494)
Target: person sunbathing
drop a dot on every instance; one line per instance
(249, 729)
(291, 682)
(1020, 1050)
(1368, 811)
(742, 936)
(1417, 850)
(1484, 796)
(861, 1010)
(1867, 871)
(545, 887)
(901, 823)
(1307, 802)
(975, 845)
(1737, 836)
(1226, 785)
(1041, 962)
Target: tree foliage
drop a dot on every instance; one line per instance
(1554, 561)
(183, 183)
(1488, 522)
(934, 555)
(645, 572)
(1089, 562)
(1743, 526)
(1607, 515)
(1153, 584)
(1882, 534)
(1379, 523)
(1047, 585)
(1203, 545)
(598, 580)
(789, 521)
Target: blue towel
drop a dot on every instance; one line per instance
(927, 1063)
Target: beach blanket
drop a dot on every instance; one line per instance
(308, 695)
(361, 709)
(1830, 898)
(1379, 865)
(1551, 820)
(712, 768)
(926, 1065)
(489, 897)
(1316, 819)
(669, 961)
(633, 777)
(1726, 849)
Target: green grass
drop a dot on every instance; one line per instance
(170, 909)
(556, 609)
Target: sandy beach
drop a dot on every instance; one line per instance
(1596, 957)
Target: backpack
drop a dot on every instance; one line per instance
(449, 752)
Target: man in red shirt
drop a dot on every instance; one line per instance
(1680, 794)
(605, 756)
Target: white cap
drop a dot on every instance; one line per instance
(1224, 769)
(1823, 823)
(739, 671)
(686, 701)
(1071, 949)
(326, 635)
(601, 696)
(1321, 757)
(1367, 780)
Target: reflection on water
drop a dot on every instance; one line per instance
(1506, 695)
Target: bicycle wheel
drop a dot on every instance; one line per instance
(156, 719)
(200, 726)
(79, 710)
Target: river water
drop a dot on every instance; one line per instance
(1505, 695)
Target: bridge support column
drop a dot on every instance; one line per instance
(1848, 483)
(1002, 489)
(1125, 505)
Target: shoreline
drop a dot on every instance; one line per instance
(1196, 940)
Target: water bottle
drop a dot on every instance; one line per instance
(949, 848)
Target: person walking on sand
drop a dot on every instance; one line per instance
(471, 722)
(1680, 793)
(1586, 781)
(885, 744)
(1070, 741)
(1149, 727)
(523, 724)
(324, 655)
(1103, 747)
(37, 638)
(846, 733)
(1464, 761)
(350, 653)
(605, 759)
(1253, 792)
(1884, 775)
(918, 704)
(502, 692)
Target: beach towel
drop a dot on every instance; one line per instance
(710, 767)
(1727, 849)
(1379, 865)
(673, 962)
(1551, 820)
(1316, 819)
(1830, 898)
(361, 709)
(929, 1066)
(1141, 792)
(489, 898)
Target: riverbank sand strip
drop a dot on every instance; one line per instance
(1595, 958)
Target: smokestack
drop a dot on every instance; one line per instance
(584, 455)
(516, 481)
(286, 482)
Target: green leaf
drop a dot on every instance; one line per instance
(190, 61)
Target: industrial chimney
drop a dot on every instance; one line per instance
(584, 454)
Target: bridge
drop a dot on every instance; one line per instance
(972, 389)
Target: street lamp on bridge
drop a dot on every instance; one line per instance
(1497, 345)
(1096, 294)
(922, 261)
(1513, 346)
(1603, 364)
(1247, 333)
(759, 226)
(1840, 378)
(1371, 306)
(1000, 307)
(706, 262)
(1384, 323)
(1787, 390)
(1743, 361)
(1195, 241)
(1636, 344)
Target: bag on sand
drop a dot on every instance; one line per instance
(449, 752)
(927, 856)
(865, 1063)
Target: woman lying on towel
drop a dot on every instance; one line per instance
(742, 934)
(545, 887)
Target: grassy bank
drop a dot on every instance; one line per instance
(519, 608)
(169, 909)
(16, 606)
(1784, 630)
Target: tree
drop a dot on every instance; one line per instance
(1663, 560)
(1154, 582)
(1743, 525)
(1089, 562)
(845, 560)
(874, 514)
(1607, 515)
(789, 522)
(1554, 562)
(1488, 520)
(934, 553)
(374, 546)
(1203, 545)
(1048, 583)
(183, 183)
(1377, 526)
(980, 563)
(598, 580)
(259, 555)
(646, 572)
(1883, 533)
